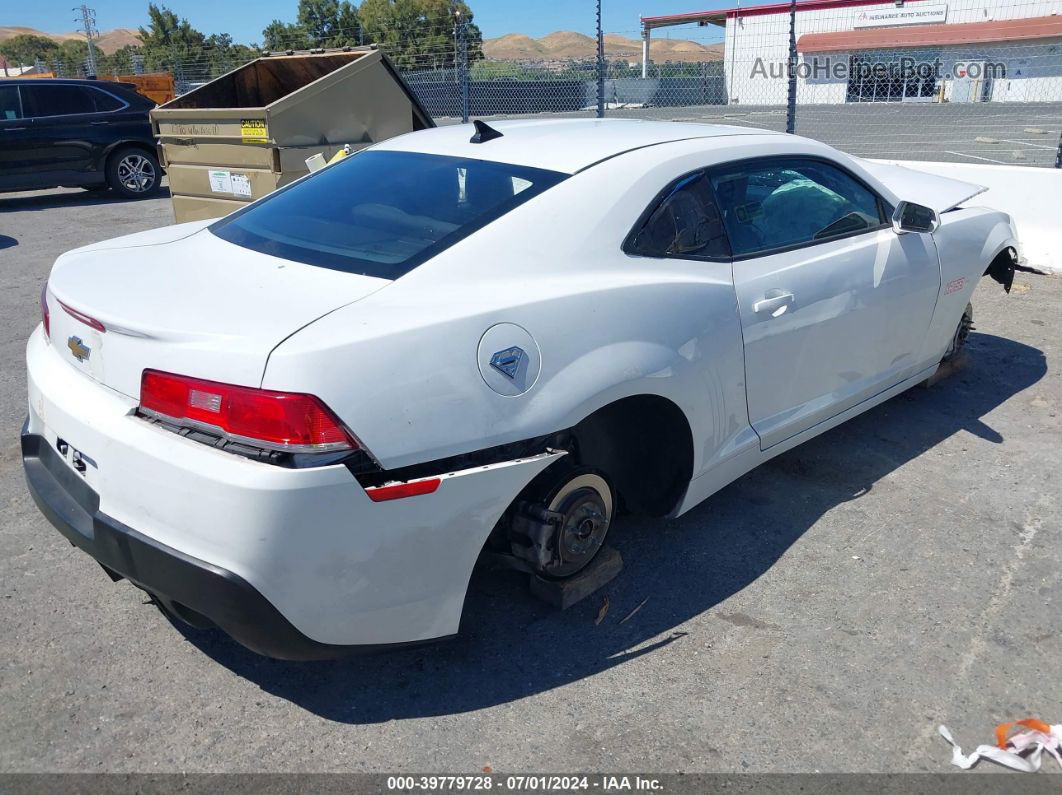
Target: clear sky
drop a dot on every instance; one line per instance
(244, 20)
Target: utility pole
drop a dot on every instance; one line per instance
(462, 64)
(790, 110)
(600, 65)
(88, 23)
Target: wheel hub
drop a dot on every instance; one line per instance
(582, 529)
(559, 535)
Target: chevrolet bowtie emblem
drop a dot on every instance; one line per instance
(77, 347)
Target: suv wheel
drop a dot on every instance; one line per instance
(133, 173)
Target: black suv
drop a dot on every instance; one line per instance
(87, 133)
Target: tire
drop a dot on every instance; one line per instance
(953, 356)
(133, 173)
(962, 333)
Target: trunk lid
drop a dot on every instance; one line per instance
(185, 301)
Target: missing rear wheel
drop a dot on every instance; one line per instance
(559, 533)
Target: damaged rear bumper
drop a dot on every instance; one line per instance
(193, 590)
(296, 563)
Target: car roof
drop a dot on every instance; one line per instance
(567, 145)
(65, 81)
(23, 81)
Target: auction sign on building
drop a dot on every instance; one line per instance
(918, 15)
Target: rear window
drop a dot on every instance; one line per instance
(382, 213)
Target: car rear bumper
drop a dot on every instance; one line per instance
(293, 563)
(188, 588)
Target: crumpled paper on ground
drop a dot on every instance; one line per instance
(1020, 752)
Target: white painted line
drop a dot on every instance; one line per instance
(1029, 143)
(976, 157)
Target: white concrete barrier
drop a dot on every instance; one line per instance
(1031, 196)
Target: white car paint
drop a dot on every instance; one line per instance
(942, 193)
(402, 363)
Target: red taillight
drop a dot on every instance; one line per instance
(400, 490)
(46, 316)
(286, 421)
(91, 322)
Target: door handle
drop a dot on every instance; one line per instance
(774, 301)
(99, 123)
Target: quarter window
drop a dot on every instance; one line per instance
(783, 203)
(104, 101)
(685, 223)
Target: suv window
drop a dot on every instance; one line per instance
(104, 101)
(786, 202)
(383, 213)
(43, 100)
(684, 223)
(10, 108)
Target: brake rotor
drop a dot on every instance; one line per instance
(585, 506)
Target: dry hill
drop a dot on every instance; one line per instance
(567, 44)
(109, 42)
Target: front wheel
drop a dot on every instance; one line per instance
(953, 356)
(133, 173)
(962, 333)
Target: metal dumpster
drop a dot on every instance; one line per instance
(250, 131)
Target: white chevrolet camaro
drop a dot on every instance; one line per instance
(304, 422)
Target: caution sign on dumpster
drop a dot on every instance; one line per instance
(253, 131)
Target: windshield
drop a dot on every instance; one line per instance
(382, 213)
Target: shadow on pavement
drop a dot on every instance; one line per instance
(512, 646)
(7, 242)
(39, 200)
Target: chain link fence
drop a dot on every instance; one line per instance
(977, 81)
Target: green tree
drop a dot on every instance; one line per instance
(73, 56)
(170, 42)
(121, 62)
(223, 55)
(319, 23)
(421, 34)
(26, 49)
(284, 36)
(329, 23)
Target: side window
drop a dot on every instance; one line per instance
(10, 108)
(58, 100)
(104, 101)
(776, 203)
(684, 223)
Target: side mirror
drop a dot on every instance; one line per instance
(911, 217)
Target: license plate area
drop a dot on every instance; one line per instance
(71, 496)
(76, 459)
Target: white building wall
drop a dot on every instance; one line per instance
(1037, 63)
